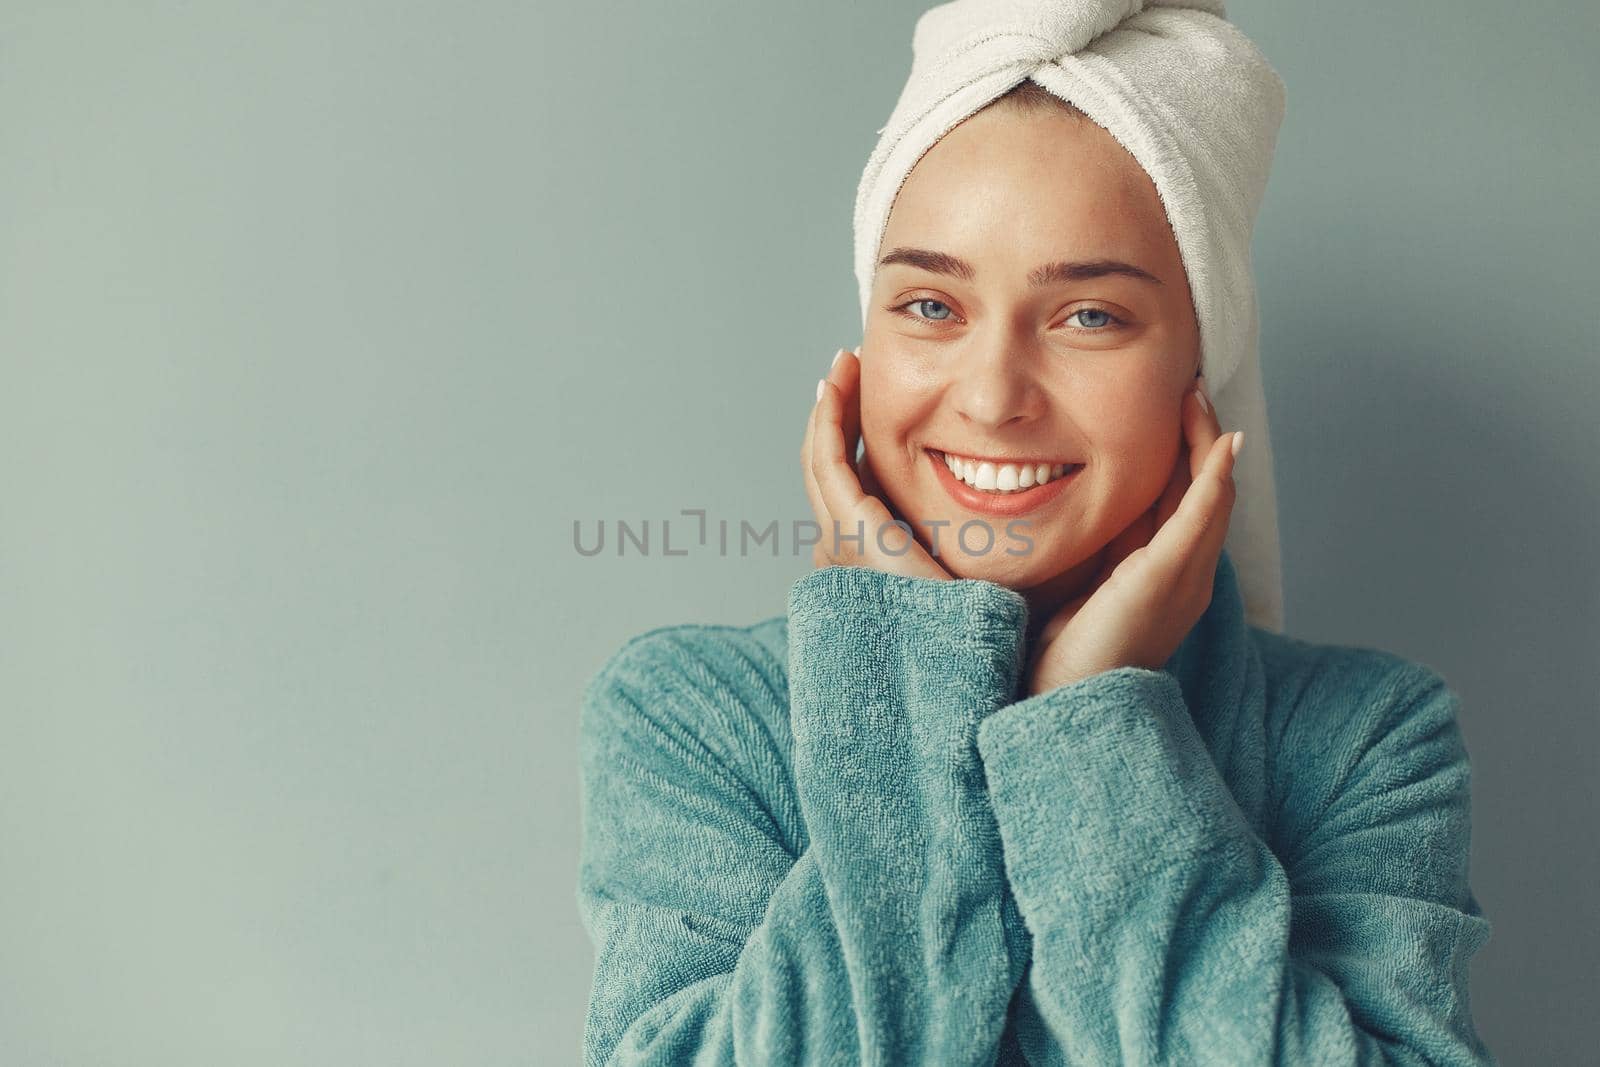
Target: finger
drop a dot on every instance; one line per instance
(819, 506)
(805, 455)
(843, 500)
(846, 374)
(1201, 427)
(1178, 483)
(1199, 431)
(1203, 561)
(1196, 532)
(841, 489)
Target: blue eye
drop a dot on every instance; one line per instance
(1100, 325)
(923, 302)
(1094, 311)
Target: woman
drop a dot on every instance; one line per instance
(1016, 778)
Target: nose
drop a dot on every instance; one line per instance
(992, 385)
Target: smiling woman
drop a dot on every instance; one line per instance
(1062, 792)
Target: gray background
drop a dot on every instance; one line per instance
(321, 326)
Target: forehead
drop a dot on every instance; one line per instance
(1036, 183)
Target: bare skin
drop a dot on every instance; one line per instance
(1098, 371)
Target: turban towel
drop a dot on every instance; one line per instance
(1198, 107)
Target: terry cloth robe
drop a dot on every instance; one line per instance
(846, 835)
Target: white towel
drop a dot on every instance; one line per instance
(1198, 106)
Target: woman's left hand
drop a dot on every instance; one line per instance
(1156, 581)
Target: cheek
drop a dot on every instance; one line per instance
(1131, 409)
(890, 406)
(1140, 459)
(1138, 434)
(1133, 439)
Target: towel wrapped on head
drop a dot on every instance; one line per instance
(1197, 105)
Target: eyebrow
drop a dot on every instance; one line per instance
(1064, 271)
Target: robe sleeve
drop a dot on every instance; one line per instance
(1166, 931)
(879, 938)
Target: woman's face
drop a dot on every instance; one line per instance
(973, 349)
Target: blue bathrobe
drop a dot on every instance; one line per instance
(847, 835)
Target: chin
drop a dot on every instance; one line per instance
(1012, 571)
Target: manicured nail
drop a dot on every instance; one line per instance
(1238, 442)
(837, 356)
(1200, 394)
(819, 388)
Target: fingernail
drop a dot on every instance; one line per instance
(819, 388)
(1200, 392)
(1238, 441)
(837, 356)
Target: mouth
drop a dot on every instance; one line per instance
(1002, 475)
(1002, 486)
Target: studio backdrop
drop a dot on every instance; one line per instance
(333, 334)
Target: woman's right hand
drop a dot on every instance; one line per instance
(836, 490)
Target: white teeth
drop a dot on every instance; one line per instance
(1004, 477)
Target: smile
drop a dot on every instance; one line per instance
(1001, 487)
(991, 476)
